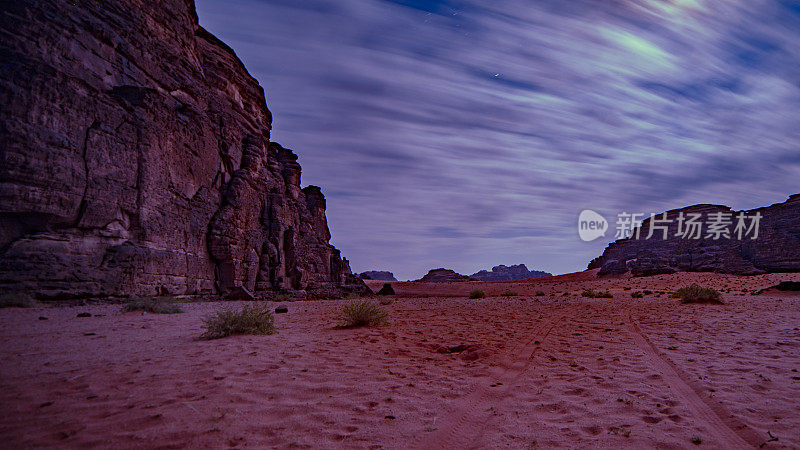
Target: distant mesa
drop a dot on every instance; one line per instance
(505, 273)
(381, 275)
(775, 249)
(444, 276)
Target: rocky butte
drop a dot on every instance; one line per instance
(136, 160)
(442, 275)
(382, 275)
(505, 273)
(775, 249)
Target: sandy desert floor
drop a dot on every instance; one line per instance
(448, 372)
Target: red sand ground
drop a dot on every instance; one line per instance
(548, 370)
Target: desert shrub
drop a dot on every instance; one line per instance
(477, 293)
(698, 294)
(596, 294)
(251, 319)
(509, 293)
(362, 313)
(158, 305)
(647, 292)
(626, 288)
(17, 299)
(636, 294)
(540, 293)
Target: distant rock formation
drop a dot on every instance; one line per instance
(377, 275)
(504, 273)
(136, 161)
(776, 249)
(387, 289)
(443, 276)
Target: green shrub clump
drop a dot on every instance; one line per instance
(596, 294)
(477, 293)
(158, 305)
(362, 313)
(252, 319)
(698, 294)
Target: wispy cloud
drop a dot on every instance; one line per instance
(466, 134)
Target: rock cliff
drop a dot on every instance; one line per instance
(775, 249)
(136, 160)
(504, 273)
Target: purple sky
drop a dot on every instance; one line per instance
(470, 134)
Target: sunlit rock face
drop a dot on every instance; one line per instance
(775, 249)
(136, 161)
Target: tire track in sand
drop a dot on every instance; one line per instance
(468, 414)
(727, 429)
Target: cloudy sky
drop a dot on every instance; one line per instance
(466, 134)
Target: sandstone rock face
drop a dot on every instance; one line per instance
(135, 160)
(377, 275)
(776, 249)
(504, 273)
(443, 276)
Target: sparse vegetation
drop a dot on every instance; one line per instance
(17, 299)
(698, 294)
(362, 313)
(157, 305)
(477, 293)
(251, 319)
(696, 440)
(540, 293)
(648, 292)
(637, 294)
(596, 294)
(509, 293)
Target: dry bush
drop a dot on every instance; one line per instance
(596, 294)
(252, 319)
(698, 294)
(477, 293)
(509, 293)
(362, 313)
(637, 294)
